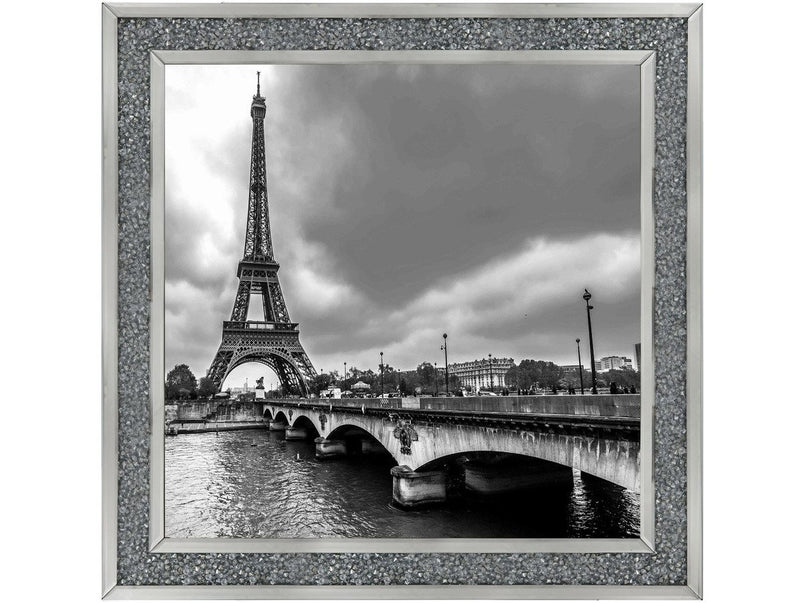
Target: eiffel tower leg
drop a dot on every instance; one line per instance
(291, 383)
(220, 366)
(240, 307)
(267, 307)
(303, 364)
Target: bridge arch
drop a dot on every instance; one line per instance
(614, 461)
(348, 430)
(302, 420)
(360, 440)
(487, 456)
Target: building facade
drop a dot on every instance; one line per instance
(482, 374)
(608, 363)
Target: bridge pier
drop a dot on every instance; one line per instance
(327, 449)
(295, 433)
(277, 426)
(417, 488)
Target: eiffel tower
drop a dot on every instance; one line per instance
(273, 341)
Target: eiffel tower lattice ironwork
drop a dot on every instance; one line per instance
(273, 341)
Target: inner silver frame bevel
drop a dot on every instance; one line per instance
(646, 60)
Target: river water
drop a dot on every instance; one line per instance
(255, 484)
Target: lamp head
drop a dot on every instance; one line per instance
(586, 295)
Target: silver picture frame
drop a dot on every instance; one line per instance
(157, 544)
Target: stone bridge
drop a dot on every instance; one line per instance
(598, 435)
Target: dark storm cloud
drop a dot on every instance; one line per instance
(446, 173)
(408, 200)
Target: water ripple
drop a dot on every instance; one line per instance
(255, 484)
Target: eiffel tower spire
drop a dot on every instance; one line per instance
(258, 228)
(273, 341)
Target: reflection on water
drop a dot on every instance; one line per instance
(256, 484)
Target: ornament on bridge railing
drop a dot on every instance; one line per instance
(406, 435)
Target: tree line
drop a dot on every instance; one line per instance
(531, 375)
(425, 379)
(528, 375)
(181, 384)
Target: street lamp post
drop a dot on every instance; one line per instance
(580, 366)
(382, 376)
(435, 366)
(491, 376)
(446, 364)
(587, 296)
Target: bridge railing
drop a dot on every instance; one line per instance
(358, 402)
(601, 405)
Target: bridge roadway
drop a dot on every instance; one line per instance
(598, 435)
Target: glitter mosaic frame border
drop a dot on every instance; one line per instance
(132, 571)
(643, 61)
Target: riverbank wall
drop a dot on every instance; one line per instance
(214, 410)
(213, 415)
(176, 428)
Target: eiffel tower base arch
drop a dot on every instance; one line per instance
(285, 358)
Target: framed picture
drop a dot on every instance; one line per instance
(477, 373)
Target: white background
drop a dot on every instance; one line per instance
(50, 250)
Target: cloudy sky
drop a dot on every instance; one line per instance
(407, 201)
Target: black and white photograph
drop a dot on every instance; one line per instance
(403, 301)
